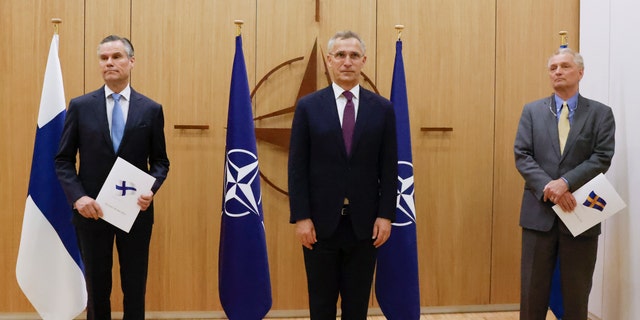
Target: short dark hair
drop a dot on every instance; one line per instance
(128, 47)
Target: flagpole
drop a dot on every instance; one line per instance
(556, 301)
(56, 22)
(238, 24)
(244, 285)
(399, 28)
(397, 286)
(564, 39)
(49, 267)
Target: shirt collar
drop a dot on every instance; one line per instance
(337, 91)
(572, 102)
(126, 92)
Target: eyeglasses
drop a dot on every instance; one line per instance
(341, 55)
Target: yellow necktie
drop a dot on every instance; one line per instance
(563, 126)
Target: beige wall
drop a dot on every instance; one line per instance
(470, 65)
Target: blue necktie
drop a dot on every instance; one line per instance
(348, 121)
(117, 122)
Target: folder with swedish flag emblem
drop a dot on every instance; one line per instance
(597, 201)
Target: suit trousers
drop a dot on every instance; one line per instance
(341, 266)
(96, 246)
(577, 255)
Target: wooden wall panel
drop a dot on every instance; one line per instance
(470, 65)
(281, 37)
(185, 54)
(26, 33)
(449, 65)
(527, 35)
(357, 16)
(103, 18)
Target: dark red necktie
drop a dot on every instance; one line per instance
(348, 120)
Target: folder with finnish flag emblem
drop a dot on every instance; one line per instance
(597, 200)
(118, 197)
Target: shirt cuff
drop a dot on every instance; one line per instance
(566, 181)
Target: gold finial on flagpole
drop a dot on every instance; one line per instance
(239, 24)
(56, 22)
(564, 39)
(399, 28)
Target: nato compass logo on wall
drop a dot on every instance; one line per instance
(125, 188)
(242, 186)
(270, 116)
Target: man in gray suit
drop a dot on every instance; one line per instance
(552, 169)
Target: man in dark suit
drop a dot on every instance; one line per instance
(342, 182)
(553, 168)
(87, 132)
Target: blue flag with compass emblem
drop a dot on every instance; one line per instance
(243, 268)
(397, 287)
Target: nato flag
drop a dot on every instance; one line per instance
(243, 268)
(397, 287)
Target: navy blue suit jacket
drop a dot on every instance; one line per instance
(86, 131)
(321, 175)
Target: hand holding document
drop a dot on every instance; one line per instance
(118, 197)
(597, 201)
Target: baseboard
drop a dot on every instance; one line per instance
(272, 313)
(593, 317)
(470, 308)
(281, 313)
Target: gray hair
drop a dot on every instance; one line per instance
(128, 47)
(345, 35)
(577, 57)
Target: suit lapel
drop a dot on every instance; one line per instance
(551, 120)
(362, 118)
(578, 122)
(100, 113)
(133, 115)
(330, 110)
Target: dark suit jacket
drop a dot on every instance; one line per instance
(588, 152)
(321, 175)
(86, 130)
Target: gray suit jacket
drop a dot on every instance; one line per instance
(588, 152)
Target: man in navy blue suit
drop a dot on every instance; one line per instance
(342, 182)
(87, 132)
